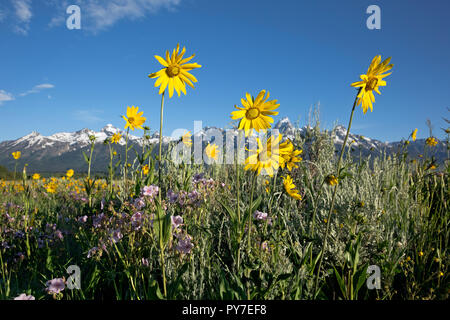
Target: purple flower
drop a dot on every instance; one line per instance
(98, 220)
(172, 196)
(177, 221)
(150, 191)
(92, 252)
(145, 262)
(139, 203)
(136, 220)
(82, 219)
(198, 177)
(184, 245)
(55, 285)
(23, 296)
(258, 215)
(59, 235)
(116, 236)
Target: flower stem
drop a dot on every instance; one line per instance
(160, 146)
(161, 244)
(250, 216)
(325, 240)
(126, 164)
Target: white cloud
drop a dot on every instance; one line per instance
(89, 116)
(37, 89)
(22, 9)
(5, 96)
(99, 15)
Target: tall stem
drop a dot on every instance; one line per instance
(250, 212)
(161, 244)
(238, 210)
(160, 146)
(126, 164)
(325, 240)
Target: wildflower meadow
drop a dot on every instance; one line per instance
(286, 218)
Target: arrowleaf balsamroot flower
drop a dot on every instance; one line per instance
(69, 173)
(431, 141)
(266, 157)
(175, 73)
(16, 155)
(116, 138)
(255, 112)
(135, 119)
(414, 135)
(212, 152)
(290, 156)
(186, 138)
(36, 176)
(289, 186)
(371, 81)
(331, 180)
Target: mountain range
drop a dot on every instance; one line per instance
(62, 151)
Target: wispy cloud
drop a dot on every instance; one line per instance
(22, 9)
(98, 15)
(88, 116)
(37, 89)
(5, 96)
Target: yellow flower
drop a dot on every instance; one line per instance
(115, 153)
(431, 141)
(289, 186)
(16, 155)
(69, 173)
(36, 176)
(266, 157)
(371, 81)
(212, 152)
(145, 169)
(116, 138)
(420, 253)
(289, 155)
(414, 135)
(175, 73)
(51, 187)
(331, 180)
(186, 138)
(255, 113)
(267, 183)
(135, 119)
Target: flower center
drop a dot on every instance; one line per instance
(131, 120)
(372, 83)
(173, 71)
(252, 113)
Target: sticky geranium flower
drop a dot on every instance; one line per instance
(24, 296)
(55, 286)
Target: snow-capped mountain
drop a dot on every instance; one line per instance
(63, 150)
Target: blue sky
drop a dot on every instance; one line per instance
(53, 79)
